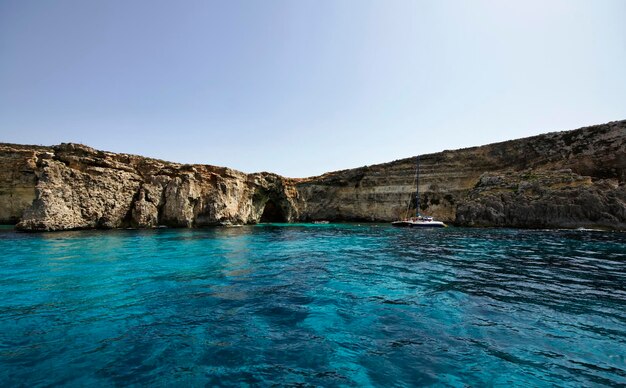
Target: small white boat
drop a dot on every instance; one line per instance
(419, 222)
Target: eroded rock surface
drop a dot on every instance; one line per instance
(565, 179)
(82, 188)
(18, 169)
(544, 199)
(517, 183)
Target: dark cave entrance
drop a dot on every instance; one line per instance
(272, 213)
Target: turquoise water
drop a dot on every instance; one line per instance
(322, 305)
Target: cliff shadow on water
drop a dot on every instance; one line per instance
(564, 179)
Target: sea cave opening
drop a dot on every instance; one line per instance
(272, 213)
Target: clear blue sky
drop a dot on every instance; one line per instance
(302, 87)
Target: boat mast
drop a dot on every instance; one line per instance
(417, 187)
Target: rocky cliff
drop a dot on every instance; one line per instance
(562, 179)
(18, 166)
(72, 186)
(565, 179)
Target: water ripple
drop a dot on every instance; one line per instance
(313, 305)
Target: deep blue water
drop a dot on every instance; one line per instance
(322, 305)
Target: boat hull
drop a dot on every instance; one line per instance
(418, 224)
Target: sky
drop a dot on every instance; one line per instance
(303, 87)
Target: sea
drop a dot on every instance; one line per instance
(313, 305)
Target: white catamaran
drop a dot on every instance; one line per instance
(419, 221)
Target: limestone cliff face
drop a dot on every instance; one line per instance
(566, 179)
(18, 168)
(78, 187)
(544, 199)
(385, 192)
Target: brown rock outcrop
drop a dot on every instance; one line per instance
(18, 170)
(455, 189)
(565, 179)
(82, 188)
(544, 199)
